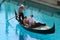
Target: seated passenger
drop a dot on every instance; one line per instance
(25, 21)
(34, 24)
(31, 20)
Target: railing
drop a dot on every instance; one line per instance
(47, 3)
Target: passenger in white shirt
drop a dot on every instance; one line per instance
(33, 23)
(31, 20)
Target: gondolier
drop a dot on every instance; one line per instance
(20, 13)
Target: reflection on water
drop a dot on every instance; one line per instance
(27, 37)
(0, 8)
(23, 35)
(7, 25)
(6, 18)
(2, 2)
(7, 37)
(17, 29)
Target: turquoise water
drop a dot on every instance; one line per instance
(10, 29)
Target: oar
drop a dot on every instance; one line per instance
(11, 18)
(14, 16)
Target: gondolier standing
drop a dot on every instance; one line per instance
(20, 13)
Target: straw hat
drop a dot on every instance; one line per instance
(22, 6)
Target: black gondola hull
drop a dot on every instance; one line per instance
(49, 31)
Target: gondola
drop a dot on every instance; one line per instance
(40, 30)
